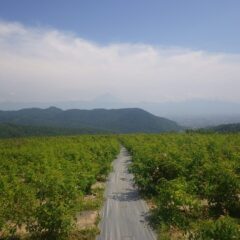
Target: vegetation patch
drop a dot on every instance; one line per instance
(192, 181)
(45, 182)
(86, 219)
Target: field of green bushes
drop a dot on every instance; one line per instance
(192, 182)
(43, 182)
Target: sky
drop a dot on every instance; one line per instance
(137, 50)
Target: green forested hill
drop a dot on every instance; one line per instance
(8, 130)
(225, 128)
(129, 120)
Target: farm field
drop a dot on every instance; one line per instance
(119, 120)
(45, 182)
(191, 181)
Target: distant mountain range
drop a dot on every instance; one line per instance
(129, 120)
(191, 113)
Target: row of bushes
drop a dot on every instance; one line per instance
(43, 182)
(193, 180)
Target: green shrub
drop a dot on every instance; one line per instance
(175, 206)
(190, 178)
(43, 181)
(224, 228)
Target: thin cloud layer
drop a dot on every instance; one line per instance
(42, 64)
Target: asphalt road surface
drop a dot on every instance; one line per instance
(124, 213)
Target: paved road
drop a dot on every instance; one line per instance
(124, 213)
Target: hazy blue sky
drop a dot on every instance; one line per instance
(211, 25)
(137, 50)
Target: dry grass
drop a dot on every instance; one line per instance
(86, 219)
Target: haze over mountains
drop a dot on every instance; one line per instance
(190, 113)
(129, 120)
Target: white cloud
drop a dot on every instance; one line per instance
(42, 64)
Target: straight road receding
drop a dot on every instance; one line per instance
(124, 213)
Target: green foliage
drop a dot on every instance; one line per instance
(225, 228)
(190, 177)
(8, 130)
(222, 189)
(42, 121)
(223, 128)
(43, 181)
(175, 206)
